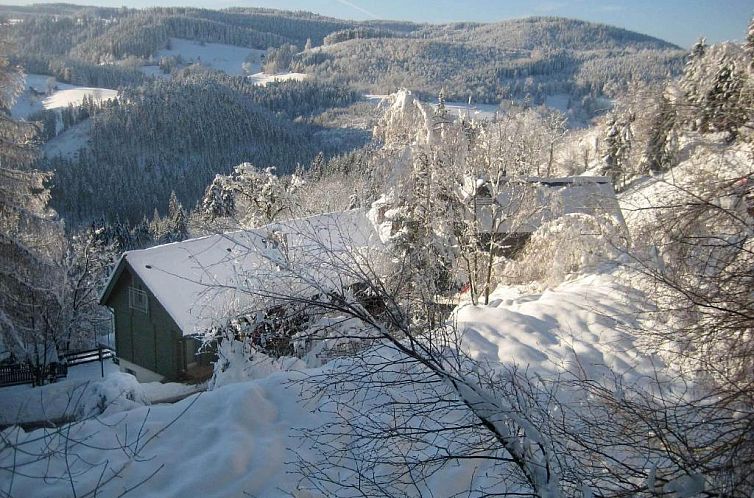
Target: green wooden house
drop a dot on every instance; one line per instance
(165, 298)
(148, 341)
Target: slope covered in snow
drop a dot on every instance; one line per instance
(218, 56)
(264, 78)
(68, 143)
(44, 92)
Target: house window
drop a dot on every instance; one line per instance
(138, 300)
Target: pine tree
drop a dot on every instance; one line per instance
(617, 147)
(690, 81)
(722, 108)
(157, 227)
(218, 200)
(176, 222)
(661, 145)
(140, 235)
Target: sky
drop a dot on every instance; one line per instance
(679, 21)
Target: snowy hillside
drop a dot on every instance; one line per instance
(67, 144)
(229, 59)
(44, 92)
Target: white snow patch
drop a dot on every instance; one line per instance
(558, 101)
(263, 79)
(154, 72)
(218, 56)
(74, 96)
(68, 143)
(84, 393)
(579, 326)
(45, 92)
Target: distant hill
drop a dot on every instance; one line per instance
(175, 135)
(533, 57)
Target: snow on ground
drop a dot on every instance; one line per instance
(154, 72)
(68, 143)
(241, 435)
(489, 111)
(558, 101)
(77, 395)
(705, 161)
(233, 441)
(74, 96)
(263, 79)
(35, 96)
(580, 324)
(226, 58)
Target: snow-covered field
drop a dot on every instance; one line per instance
(226, 58)
(60, 95)
(580, 323)
(489, 111)
(230, 59)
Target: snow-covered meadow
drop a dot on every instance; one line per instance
(229, 59)
(44, 92)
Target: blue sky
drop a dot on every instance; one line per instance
(678, 21)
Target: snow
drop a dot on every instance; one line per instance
(63, 96)
(488, 111)
(702, 164)
(243, 435)
(68, 143)
(74, 96)
(475, 111)
(218, 56)
(24, 403)
(83, 393)
(154, 72)
(582, 324)
(558, 101)
(263, 79)
(202, 282)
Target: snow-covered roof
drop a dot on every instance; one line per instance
(529, 202)
(202, 282)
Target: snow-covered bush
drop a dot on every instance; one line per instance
(570, 244)
(239, 361)
(331, 337)
(118, 392)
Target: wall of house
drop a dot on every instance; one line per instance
(148, 339)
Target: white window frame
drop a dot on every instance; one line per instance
(138, 300)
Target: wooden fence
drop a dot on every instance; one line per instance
(24, 373)
(100, 353)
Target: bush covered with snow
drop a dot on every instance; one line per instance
(568, 245)
(118, 392)
(240, 361)
(332, 337)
